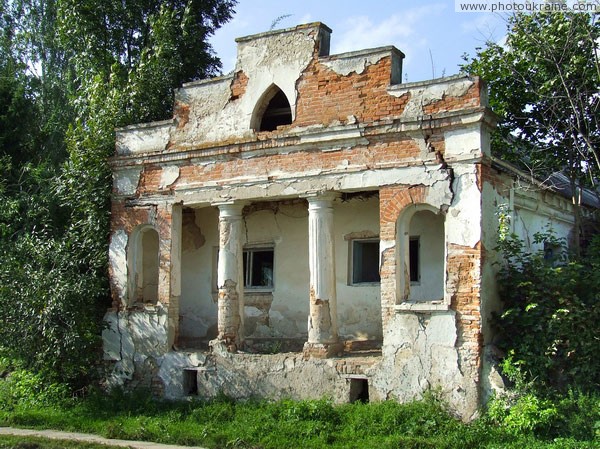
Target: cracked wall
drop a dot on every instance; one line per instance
(282, 312)
(386, 149)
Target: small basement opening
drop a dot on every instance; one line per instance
(190, 382)
(359, 390)
(278, 113)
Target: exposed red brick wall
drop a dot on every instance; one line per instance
(325, 96)
(392, 201)
(463, 267)
(160, 217)
(472, 98)
(498, 180)
(181, 114)
(238, 85)
(231, 166)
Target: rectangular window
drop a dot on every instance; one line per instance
(413, 257)
(258, 268)
(365, 261)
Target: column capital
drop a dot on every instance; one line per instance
(318, 200)
(230, 208)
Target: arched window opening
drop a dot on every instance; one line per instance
(145, 266)
(426, 256)
(277, 112)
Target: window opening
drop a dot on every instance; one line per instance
(190, 382)
(359, 390)
(365, 261)
(278, 113)
(413, 259)
(258, 268)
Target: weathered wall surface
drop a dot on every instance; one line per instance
(245, 376)
(372, 154)
(281, 312)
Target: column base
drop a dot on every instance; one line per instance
(322, 350)
(223, 347)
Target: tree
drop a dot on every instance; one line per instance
(544, 83)
(84, 68)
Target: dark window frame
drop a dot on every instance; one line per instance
(250, 268)
(357, 274)
(414, 259)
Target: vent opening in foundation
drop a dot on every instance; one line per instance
(190, 382)
(359, 390)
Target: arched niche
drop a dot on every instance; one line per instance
(272, 110)
(143, 265)
(421, 262)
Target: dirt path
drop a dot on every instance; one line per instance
(56, 435)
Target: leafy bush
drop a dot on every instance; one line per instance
(25, 389)
(550, 323)
(549, 332)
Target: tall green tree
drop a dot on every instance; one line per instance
(544, 83)
(86, 67)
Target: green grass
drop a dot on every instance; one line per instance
(14, 442)
(226, 424)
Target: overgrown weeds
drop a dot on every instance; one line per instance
(224, 423)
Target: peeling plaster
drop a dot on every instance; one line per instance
(346, 65)
(464, 142)
(463, 221)
(117, 259)
(429, 94)
(420, 349)
(126, 181)
(144, 138)
(168, 176)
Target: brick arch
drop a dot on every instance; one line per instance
(392, 201)
(396, 210)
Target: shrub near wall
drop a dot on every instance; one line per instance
(550, 324)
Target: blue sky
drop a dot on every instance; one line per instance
(426, 31)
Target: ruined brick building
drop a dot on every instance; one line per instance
(311, 226)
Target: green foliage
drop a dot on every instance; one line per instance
(70, 72)
(543, 84)
(526, 414)
(24, 389)
(223, 423)
(549, 327)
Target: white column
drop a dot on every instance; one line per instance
(323, 338)
(230, 276)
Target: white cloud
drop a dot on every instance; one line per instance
(358, 32)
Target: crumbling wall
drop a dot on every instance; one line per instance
(354, 130)
(246, 376)
(222, 109)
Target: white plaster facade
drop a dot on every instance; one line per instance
(284, 265)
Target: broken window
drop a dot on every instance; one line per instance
(365, 261)
(258, 268)
(273, 111)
